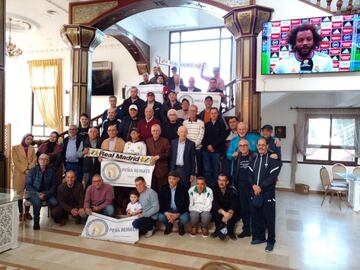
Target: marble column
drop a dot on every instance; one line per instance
(82, 40)
(3, 182)
(245, 23)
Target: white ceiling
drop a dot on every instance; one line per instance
(46, 18)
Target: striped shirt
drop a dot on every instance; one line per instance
(196, 130)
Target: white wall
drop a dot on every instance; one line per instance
(278, 113)
(292, 9)
(18, 92)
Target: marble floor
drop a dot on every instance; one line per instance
(308, 237)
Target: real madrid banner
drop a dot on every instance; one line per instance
(94, 152)
(106, 228)
(123, 174)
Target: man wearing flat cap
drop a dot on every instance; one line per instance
(174, 204)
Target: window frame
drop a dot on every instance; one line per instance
(219, 39)
(330, 147)
(33, 125)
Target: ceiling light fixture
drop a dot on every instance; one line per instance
(11, 49)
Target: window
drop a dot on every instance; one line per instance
(38, 126)
(212, 46)
(331, 138)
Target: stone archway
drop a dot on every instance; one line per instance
(243, 18)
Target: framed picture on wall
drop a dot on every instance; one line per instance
(280, 132)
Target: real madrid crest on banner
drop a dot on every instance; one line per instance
(96, 228)
(111, 171)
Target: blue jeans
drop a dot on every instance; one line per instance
(144, 224)
(108, 210)
(182, 220)
(72, 166)
(36, 203)
(211, 162)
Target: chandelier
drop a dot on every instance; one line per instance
(11, 49)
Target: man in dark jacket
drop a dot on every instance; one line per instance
(224, 209)
(110, 121)
(41, 186)
(171, 125)
(129, 122)
(273, 148)
(91, 165)
(155, 105)
(241, 182)
(70, 196)
(174, 204)
(171, 103)
(183, 157)
(262, 177)
(134, 99)
(213, 146)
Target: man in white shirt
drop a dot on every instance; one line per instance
(304, 59)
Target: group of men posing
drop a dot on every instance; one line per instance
(218, 173)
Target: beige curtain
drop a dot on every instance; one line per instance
(46, 84)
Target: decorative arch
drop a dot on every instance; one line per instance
(103, 14)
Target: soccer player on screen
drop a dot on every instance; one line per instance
(303, 40)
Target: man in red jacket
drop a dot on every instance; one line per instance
(145, 125)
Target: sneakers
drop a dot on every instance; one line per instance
(27, 216)
(149, 234)
(222, 236)
(193, 231)
(257, 241)
(244, 234)
(181, 230)
(269, 247)
(168, 229)
(205, 232)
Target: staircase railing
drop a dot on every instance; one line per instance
(229, 96)
(336, 7)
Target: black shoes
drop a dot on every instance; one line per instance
(269, 247)
(257, 241)
(232, 236)
(168, 229)
(36, 226)
(214, 234)
(181, 230)
(244, 234)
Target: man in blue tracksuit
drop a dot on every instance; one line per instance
(263, 173)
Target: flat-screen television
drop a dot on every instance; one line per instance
(102, 82)
(310, 45)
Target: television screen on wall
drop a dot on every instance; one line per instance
(311, 45)
(102, 82)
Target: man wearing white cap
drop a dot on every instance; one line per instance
(129, 122)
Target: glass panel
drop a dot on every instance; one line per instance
(175, 37)
(199, 52)
(225, 60)
(225, 33)
(343, 132)
(317, 154)
(175, 52)
(343, 155)
(319, 131)
(37, 131)
(37, 120)
(200, 34)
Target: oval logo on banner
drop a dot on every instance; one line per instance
(188, 97)
(96, 228)
(111, 171)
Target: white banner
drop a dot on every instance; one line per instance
(123, 174)
(198, 99)
(157, 89)
(166, 62)
(102, 227)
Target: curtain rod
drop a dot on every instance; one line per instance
(340, 108)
